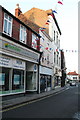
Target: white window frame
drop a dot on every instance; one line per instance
(8, 22)
(23, 32)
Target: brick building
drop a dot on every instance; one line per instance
(51, 37)
(19, 61)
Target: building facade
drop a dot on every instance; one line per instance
(19, 62)
(49, 41)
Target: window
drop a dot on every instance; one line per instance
(54, 36)
(4, 80)
(59, 61)
(18, 80)
(74, 78)
(7, 24)
(54, 57)
(34, 41)
(43, 57)
(23, 34)
(57, 58)
(48, 59)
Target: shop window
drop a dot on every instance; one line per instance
(42, 83)
(4, 80)
(7, 27)
(18, 80)
(23, 34)
(48, 81)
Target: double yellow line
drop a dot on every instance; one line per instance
(23, 104)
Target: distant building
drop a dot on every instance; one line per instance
(73, 76)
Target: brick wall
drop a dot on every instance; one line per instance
(1, 19)
(15, 29)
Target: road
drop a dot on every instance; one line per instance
(61, 105)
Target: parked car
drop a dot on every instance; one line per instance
(72, 83)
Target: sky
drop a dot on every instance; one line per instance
(67, 18)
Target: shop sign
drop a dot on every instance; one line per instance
(5, 61)
(16, 49)
(19, 64)
(11, 63)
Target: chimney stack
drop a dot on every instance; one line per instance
(17, 10)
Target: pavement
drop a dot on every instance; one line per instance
(29, 97)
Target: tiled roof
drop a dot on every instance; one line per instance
(39, 17)
(72, 73)
(29, 23)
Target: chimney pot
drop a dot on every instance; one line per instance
(17, 10)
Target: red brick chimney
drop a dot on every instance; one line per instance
(17, 10)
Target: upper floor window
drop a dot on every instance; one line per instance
(23, 34)
(59, 61)
(7, 27)
(54, 57)
(54, 36)
(34, 41)
(43, 57)
(48, 59)
(74, 78)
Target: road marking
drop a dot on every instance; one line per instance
(77, 116)
(67, 88)
(23, 104)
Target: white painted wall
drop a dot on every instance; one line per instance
(45, 41)
(70, 77)
(55, 44)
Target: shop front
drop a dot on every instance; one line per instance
(11, 75)
(45, 79)
(18, 68)
(31, 77)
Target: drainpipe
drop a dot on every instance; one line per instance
(39, 62)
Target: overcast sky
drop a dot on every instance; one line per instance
(67, 19)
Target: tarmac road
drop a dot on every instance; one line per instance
(60, 105)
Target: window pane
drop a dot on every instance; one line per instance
(10, 18)
(5, 26)
(21, 35)
(9, 28)
(18, 80)
(6, 16)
